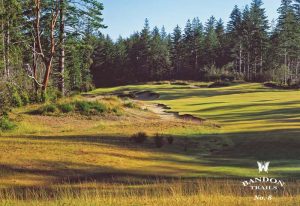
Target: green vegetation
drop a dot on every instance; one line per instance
(250, 115)
(94, 160)
(84, 107)
(66, 108)
(90, 107)
(6, 124)
(46, 109)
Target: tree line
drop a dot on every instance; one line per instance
(249, 48)
(52, 48)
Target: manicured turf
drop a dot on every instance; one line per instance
(260, 123)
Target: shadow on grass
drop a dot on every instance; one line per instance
(281, 147)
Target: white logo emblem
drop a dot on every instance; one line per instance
(263, 166)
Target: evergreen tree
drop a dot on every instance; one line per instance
(259, 33)
(234, 29)
(188, 43)
(144, 53)
(177, 50)
(211, 42)
(222, 58)
(197, 46)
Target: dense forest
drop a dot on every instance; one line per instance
(52, 48)
(249, 48)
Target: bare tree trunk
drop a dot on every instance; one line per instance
(244, 68)
(3, 42)
(196, 61)
(34, 63)
(255, 66)
(7, 43)
(38, 44)
(261, 64)
(240, 59)
(297, 68)
(261, 58)
(248, 66)
(285, 66)
(62, 48)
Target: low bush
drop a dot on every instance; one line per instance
(6, 124)
(159, 141)
(53, 95)
(16, 99)
(117, 110)
(66, 108)
(81, 106)
(86, 107)
(47, 109)
(25, 98)
(86, 87)
(130, 104)
(271, 84)
(170, 139)
(140, 137)
(219, 84)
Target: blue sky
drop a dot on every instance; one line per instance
(123, 17)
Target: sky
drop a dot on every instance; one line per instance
(123, 17)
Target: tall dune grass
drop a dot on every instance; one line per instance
(167, 193)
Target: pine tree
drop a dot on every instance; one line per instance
(222, 58)
(144, 52)
(259, 33)
(188, 43)
(197, 47)
(234, 29)
(211, 42)
(177, 50)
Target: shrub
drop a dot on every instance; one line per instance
(25, 98)
(99, 107)
(131, 105)
(271, 84)
(159, 141)
(66, 108)
(139, 138)
(170, 139)
(16, 99)
(6, 124)
(86, 87)
(49, 108)
(117, 111)
(53, 95)
(82, 106)
(219, 84)
(92, 107)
